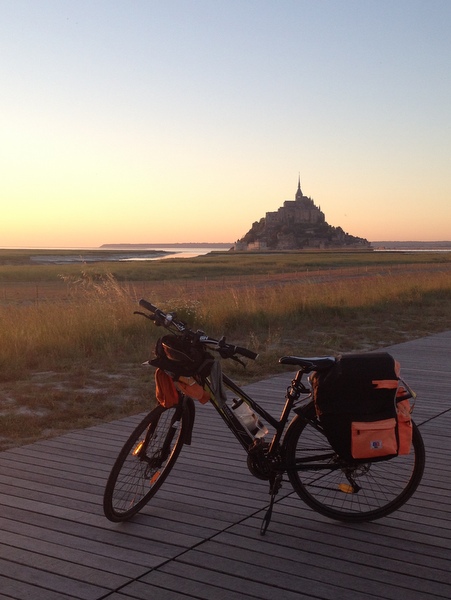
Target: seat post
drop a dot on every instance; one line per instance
(297, 387)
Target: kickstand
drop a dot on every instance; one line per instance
(275, 485)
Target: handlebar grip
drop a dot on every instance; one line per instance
(245, 352)
(148, 305)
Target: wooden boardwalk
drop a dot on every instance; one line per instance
(199, 538)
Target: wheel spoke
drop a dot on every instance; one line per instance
(144, 462)
(347, 492)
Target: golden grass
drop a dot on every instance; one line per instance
(71, 360)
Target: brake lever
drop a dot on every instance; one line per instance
(138, 312)
(238, 360)
(156, 320)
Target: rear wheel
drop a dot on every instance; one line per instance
(352, 492)
(145, 461)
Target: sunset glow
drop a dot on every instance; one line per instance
(186, 121)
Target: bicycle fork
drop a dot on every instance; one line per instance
(158, 458)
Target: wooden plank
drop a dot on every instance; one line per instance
(19, 590)
(23, 576)
(201, 582)
(75, 548)
(115, 541)
(46, 558)
(281, 578)
(199, 537)
(310, 573)
(329, 551)
(190, 581)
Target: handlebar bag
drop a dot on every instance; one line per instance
(362, 407)
(181, 358)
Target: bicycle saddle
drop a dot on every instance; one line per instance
(320, 363)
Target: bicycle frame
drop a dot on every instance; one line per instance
(237, 428)
(247, 441)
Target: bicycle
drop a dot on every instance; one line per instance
(345, 490)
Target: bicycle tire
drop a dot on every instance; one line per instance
(145, 461)
(384, 486)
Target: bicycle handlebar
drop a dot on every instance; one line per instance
(169, 320)
(148, 306)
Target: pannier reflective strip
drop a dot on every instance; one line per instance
(389, 384)
(405, 431)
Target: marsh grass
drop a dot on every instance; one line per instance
(18, 265)
(69, 363)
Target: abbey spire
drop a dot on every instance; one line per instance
(299, 193)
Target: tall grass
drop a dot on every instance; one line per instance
(94, 325)
(98, 324)
(74, 362)
(238, 310)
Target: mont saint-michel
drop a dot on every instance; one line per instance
(298, 224)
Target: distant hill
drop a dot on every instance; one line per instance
(298, 224)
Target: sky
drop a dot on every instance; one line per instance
(162, 121)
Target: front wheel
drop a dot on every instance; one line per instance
(351, 492)
(145, 461)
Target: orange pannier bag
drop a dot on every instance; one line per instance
(190, 387)
(363, 407)
(373, 439)
(167, 390)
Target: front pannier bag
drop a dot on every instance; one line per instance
(363, 407)
(180, 367)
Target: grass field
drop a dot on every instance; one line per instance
(71, 346)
